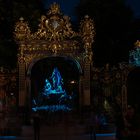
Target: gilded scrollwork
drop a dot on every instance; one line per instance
(41, 29)
(53, 27)
(55, 47)
(87, 31)
(54, 36)
(88, 57)
(21, 58)
(30, 57)
(68, 32)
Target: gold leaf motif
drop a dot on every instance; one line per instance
(137, 43)
(22, 31)
(54, 9)
(54, 36)
(87, 31)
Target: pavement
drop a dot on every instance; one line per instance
(61, 132)
(58, 137)
(63, 128)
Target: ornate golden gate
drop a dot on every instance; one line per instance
(54, 38)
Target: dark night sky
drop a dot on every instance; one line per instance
(135, 5)
(68, 6)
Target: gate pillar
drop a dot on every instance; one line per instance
(21, 69)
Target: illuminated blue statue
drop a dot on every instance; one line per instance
(53, 97)
(48, 87)
(57, 80)
(54, 86)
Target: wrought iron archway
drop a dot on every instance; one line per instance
(55, 37)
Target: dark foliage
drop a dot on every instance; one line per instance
(10, 12)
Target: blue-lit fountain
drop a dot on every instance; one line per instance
(53, 97)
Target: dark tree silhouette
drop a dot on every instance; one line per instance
(30, 10)
(113, 20)
(10, 12)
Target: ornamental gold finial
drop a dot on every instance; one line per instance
(54, 9)
(87, 30)
(87, 33)
(22, 30)
(137, 43)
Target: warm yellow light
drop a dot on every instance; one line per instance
(72, 82)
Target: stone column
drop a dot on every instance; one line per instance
(21, 68)
(87, 33)
(124, 98)
(21, 84)
(86, 89)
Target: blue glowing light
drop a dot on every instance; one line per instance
(54, 87)
(53, 97)
(134, 57)
(8, 137)
(52, 108)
